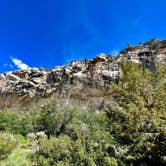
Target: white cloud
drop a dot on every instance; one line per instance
(19, 63)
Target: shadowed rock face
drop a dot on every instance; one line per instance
(82, 83)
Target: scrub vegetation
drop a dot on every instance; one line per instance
(130, 131)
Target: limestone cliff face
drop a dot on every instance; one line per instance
(82, 83)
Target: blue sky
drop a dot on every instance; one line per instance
(46, 33)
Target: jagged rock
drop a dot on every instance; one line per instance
(81, 82)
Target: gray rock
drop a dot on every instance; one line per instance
(80, 83)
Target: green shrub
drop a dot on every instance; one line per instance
(10, 121)
(7, 143)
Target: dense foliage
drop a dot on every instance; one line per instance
(130, 131)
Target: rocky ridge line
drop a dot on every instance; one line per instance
(80, 78)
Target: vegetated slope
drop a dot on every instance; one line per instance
(83, 83)
(131, 129)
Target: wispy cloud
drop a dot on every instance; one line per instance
(18, 63)
(115, 52)
(90, 39)
(8, 65)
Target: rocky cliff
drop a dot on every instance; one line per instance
(82, 83)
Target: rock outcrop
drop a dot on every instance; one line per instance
(81, 83)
